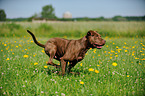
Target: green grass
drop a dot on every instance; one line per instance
(125, 47)
(19, 75)
(73, 29)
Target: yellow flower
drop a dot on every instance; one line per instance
(142, 59)
(94, 51)
(35, 63)
(127, 75)
(5, 44)
(110, 57)
(81, 82)
(114, 64)
(45, 66)
(16, 46)
(133, 47)
(112, 51)
(117, 47)
(1, 50)
(142, 54)
(81, 64)
(125, 50)
(116, 55)
(25, 56)
(91, 69)
(96, 71)
(136, 58)
(8, 59)
(43, 51)
(98, 65)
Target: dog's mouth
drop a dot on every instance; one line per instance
(98, 46)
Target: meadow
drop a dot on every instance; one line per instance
(118, 69)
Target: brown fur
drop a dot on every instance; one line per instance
(71, 51)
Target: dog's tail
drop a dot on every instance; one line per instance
(34, 38)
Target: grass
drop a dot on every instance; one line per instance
(73, 29)
(116, 69)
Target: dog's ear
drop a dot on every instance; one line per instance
(89, 33)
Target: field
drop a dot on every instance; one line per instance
(118, 69)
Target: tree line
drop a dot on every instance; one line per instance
(48, 13)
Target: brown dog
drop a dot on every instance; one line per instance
(71, 51)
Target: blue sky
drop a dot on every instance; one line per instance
(78, 8)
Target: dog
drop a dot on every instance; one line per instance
(72, 51)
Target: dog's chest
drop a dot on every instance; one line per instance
(82, 53)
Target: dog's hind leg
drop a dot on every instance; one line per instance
(51, 52)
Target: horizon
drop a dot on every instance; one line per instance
(78, 8)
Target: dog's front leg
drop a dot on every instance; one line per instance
(63, 66)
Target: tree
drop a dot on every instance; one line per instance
(2, 15)
(119, 18)
(48, 12)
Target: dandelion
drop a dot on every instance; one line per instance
(110, 57)
(81, 64)
(116, 55)
(45, 66)
(142, 54)
(136, 58)
(81, 82)
(125, 50)
(96, 71)
(16, 46)
(25, 56)
(35, 63)
(43, 51)
(114, 64)
(7, 59)
(127, 76)
(112, 51)
(141, 51)
(5, 44)
(133, 46)
(94, 51)
(1, 50)
(98, 65)
(91, 69)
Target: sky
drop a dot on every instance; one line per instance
(78, 8)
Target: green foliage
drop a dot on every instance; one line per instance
(2, 15)
(48, 12)
(119, 18)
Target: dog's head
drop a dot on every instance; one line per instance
(95, 40)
